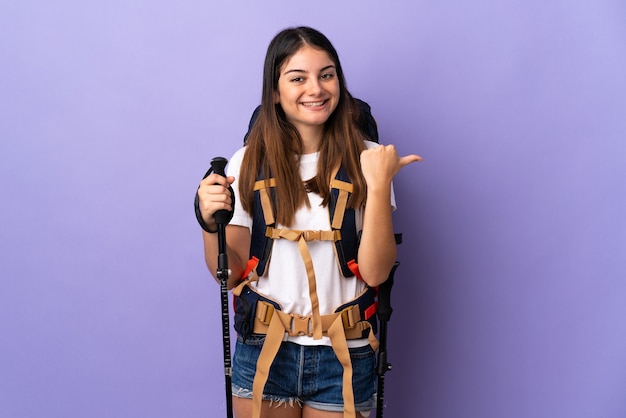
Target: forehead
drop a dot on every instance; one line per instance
(308, 59)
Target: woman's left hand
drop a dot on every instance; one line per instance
(379, 165)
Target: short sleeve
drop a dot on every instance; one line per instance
(240, 216)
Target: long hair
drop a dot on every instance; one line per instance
(274, 145)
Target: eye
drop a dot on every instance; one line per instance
(327, 76)
(297, 79)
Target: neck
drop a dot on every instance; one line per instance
(311, 139)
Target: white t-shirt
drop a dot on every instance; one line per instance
(285, 279)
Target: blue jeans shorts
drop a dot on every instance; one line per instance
(306, 375)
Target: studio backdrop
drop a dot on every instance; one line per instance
(509, 300)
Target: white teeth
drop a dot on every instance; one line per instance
(312, 104)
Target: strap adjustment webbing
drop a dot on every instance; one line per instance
(342, 220)
(345, 189)
(338, 326)
(266, 201)
(307, 235)
(302, 237)
(298, 325)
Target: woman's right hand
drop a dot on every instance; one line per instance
(214, 195)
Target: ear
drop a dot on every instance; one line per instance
(276, 97)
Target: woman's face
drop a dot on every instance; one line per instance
(308, 89)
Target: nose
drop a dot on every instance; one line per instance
(315, 87)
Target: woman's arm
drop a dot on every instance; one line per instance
(377, 250)
(214, 195)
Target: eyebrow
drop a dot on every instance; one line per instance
(303, 71)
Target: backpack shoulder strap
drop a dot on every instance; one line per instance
(263, 216)
(342, 218)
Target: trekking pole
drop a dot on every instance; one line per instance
(384, 314)
(222, 217)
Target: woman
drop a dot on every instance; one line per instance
(305, 134)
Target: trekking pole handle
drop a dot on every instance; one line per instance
(222, 216)
(384, 296)
(384, 290)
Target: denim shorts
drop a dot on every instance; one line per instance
(306, 375)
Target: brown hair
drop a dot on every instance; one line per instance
(274, 144)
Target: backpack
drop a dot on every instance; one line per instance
(355, 319)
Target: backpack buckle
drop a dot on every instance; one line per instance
(350, 317)
(299, 325)
(264, 312)
(312, 235)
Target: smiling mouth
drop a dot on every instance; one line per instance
(314, 104)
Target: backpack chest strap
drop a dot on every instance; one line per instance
(302, 237)
(306, 235)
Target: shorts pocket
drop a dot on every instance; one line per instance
(358, 353)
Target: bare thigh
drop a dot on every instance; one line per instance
(242, 408)
(308, 412)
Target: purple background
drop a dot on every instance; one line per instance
(511, 297)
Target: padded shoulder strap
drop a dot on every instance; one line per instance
(343, 218)
(263, 216)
